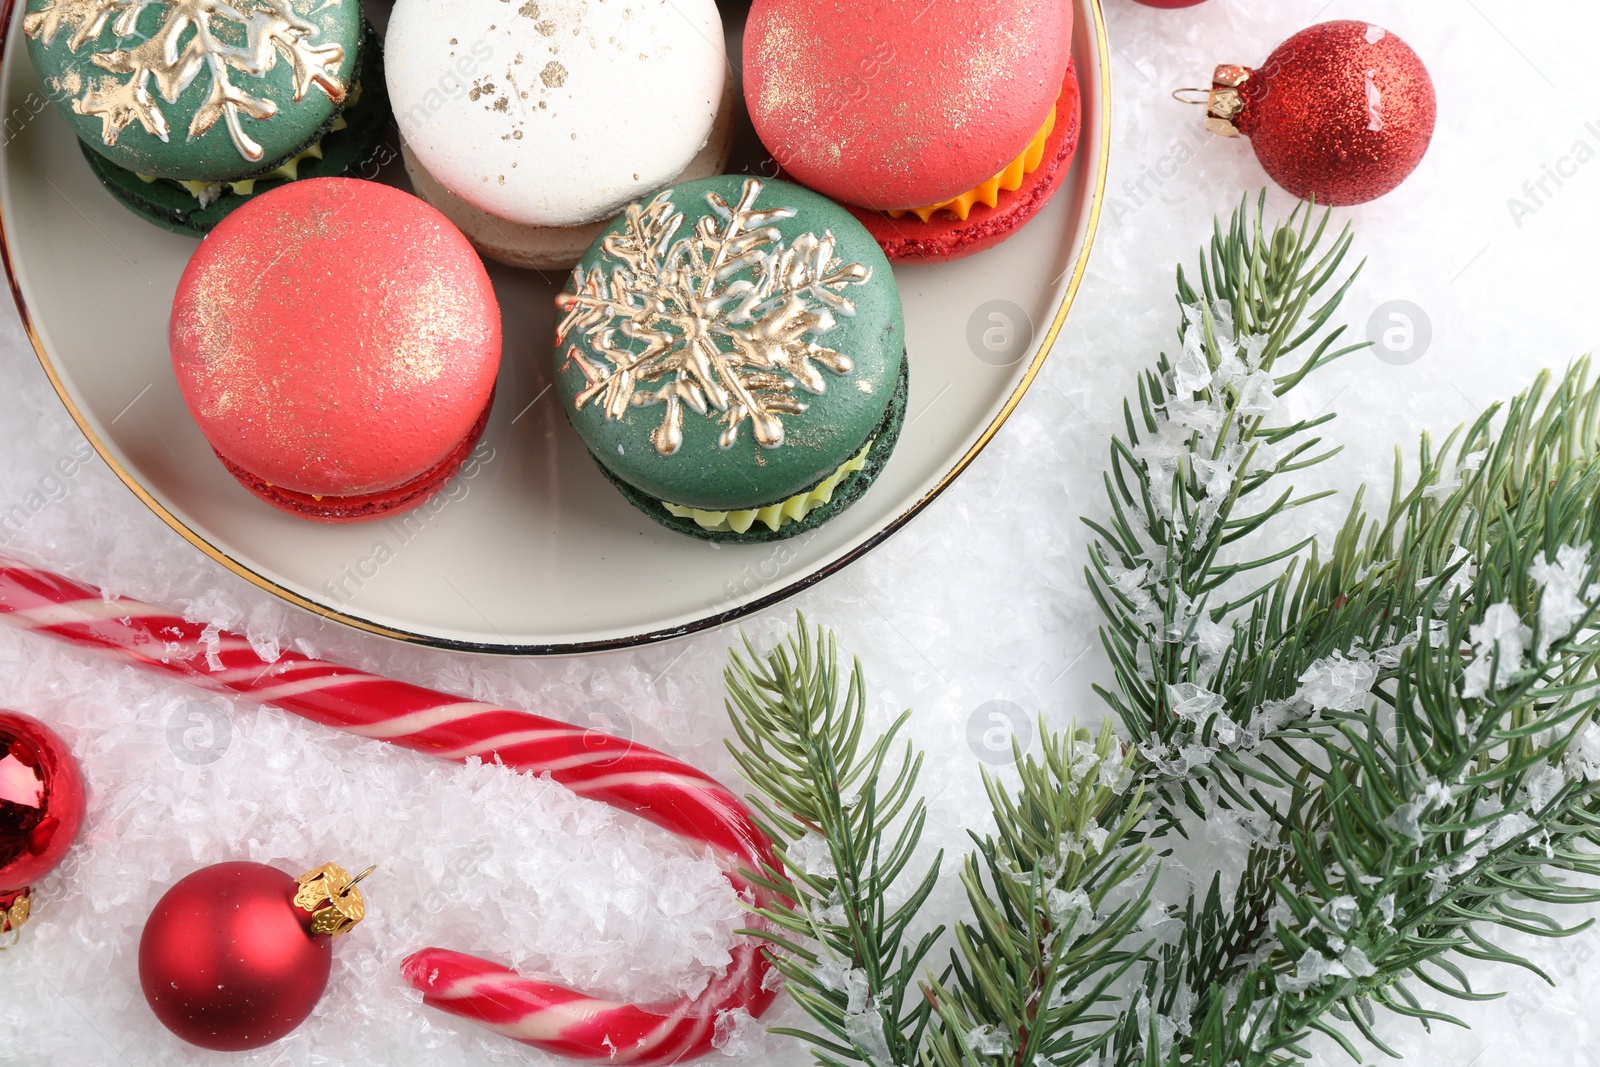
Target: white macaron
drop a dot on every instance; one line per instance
(555, 247)
(555, 113)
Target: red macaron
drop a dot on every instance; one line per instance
(337, 343)
(944, 125)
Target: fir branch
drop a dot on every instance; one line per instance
(1375, 718)
(1034, 969)
(1056, 893)
(1402, 723)
(1192, 485)
(846, 839)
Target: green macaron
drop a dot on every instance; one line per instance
(190, 106)
(732, 352)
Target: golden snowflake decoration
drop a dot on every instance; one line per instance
(721, 321)
(271, 28)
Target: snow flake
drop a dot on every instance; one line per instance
(1114, 772)
(1193, 703)
(1068, 909)
(987, 1040)
(1541, 784)
(1344, 911)
(865, 1030)
(851, 981)
(1463, 571)
(1407, 818)
(1502, 632)
(812, 855)
(738, 1033)
(1355, 961)
(1257, 394)
(1199, 415)
(1438, 795)
(1185, 759)
(1217, 476)
(1230, 826)
(1311, 970)
(1335, 683)
(1134, 584)
(1583, 757)
(1192, 371)
(1445, 486)
(1561, 605)
(211, 638)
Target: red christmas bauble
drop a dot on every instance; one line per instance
(41, 800)
(228, 961)
(1341, 112)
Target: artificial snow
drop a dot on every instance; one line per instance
(1068, 908)
(1562, 581)
(1500, 642)
(981, 598)
(1338, 683)
(986, 1040)
(739, 1035)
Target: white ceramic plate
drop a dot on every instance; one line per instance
(529, 550)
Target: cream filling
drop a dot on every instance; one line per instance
(794, 509)
(208, 192)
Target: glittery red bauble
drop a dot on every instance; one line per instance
(228, 962)
(41, 800)
(1342, 112)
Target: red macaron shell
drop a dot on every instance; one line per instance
(336, 338)
(368, 506)
(943, 236)
(901, 103)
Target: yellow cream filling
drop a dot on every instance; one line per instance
(794, 509)
(988, 193)
(289, 171)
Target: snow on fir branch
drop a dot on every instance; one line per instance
(1396, 728)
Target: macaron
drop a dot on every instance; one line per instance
(531, 125)
(732, 353)
(336, 342)
(186, 109)
(945, 126)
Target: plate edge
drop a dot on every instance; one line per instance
(1090, 8)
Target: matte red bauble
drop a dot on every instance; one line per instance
(41, 800)
(237, 955)
(1342, 112)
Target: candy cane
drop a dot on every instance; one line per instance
(653, 786)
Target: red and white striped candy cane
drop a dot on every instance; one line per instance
(653, 786)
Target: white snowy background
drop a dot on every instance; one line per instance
(980, 599)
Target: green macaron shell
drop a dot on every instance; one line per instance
(231, 63)
(849, 491)
(842, 405)
(350, 151)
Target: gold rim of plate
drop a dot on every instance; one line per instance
(1089, 8)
